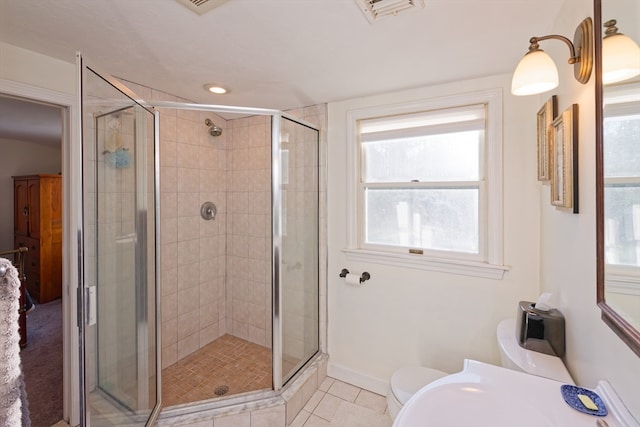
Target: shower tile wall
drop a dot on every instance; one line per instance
(233, 171)
(215, 274)
(192, 171)
(249, 230)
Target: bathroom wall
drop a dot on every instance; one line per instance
(28, 67)
(57, 78)
(22, 66)
(568, 246)
(404, 316)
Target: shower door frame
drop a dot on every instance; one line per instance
(276, 212)
(279, 209)
(141, 232)
(83, 298)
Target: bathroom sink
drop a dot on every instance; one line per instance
(487, 395)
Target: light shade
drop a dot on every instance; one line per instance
(536, 73)
(620, 58)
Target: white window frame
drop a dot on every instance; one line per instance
(491, 207)
(621, 279)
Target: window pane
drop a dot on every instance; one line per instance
(439, 219)
(622, 155)
(447, 157)
(622, 225)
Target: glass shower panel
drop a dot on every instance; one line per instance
(119, 181)
(299, 244)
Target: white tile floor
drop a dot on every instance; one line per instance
(338, 404)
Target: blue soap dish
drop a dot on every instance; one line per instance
(570, 394)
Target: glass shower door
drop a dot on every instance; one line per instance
(119, 332)
(299, 240)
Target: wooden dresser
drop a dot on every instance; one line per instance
(37, 219)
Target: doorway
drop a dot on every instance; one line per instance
(32, 136)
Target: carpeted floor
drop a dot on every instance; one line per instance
(42, 364)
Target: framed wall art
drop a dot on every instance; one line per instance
(563, 150)
(545, 116)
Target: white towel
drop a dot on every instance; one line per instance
(14, 409)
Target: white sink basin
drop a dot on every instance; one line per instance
(487, 395)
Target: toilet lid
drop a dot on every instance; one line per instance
(405, 382)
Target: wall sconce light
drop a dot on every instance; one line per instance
(536, 72)
(620, 55)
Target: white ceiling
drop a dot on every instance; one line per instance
(28, 121)
(280, 54)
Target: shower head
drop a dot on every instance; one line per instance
(213, 129)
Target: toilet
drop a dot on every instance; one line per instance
(405, 382)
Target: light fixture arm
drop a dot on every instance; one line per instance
(581, 49)
(573, 58)
(536, 71)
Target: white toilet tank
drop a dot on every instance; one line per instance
(532, 362)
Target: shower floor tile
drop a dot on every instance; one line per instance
(229, 361)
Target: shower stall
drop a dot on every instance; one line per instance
(200, 263)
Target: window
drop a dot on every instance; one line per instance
(427, 183)
(622, 186)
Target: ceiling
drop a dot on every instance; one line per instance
(280, 54)
(28, 121)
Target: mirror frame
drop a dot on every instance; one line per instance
(619, 325)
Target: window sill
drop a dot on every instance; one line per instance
(622, 280)
(466, 268)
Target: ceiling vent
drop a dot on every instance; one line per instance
(201, 6)
(377, 9)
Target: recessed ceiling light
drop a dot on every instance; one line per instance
(216, 88)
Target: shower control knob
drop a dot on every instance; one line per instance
(208, 211)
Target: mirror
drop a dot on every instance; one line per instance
(618, 181)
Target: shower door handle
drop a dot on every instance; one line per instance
(90, 305)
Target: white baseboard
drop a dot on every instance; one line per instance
(359, 379)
